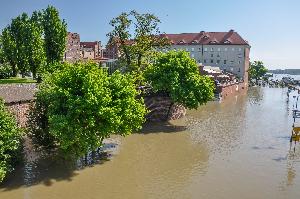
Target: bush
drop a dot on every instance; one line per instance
(176, 73)
(10, 141)
(84, 105)
(5, 71)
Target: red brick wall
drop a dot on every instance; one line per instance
(232, 90)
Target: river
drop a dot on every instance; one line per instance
(235, 149)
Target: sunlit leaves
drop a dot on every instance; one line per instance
(10, 137)
(178, 75)
(86, 105)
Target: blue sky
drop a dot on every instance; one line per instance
(272, 27)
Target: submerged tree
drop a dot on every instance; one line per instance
(178, 75)
(85, 105)
(137, 38)
(257, 70)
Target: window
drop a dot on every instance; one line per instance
(211, 55)
(219, 49)
(240, 49)
(225, 61)
(187, 49)
(193, 49)
(232, 62)
(204, 60)
(193, 55)
(239, 70)
(218, 61)
(232, 49)
(199, 49)
(211, 49)
(212, 61)
(205, 49)
(218, 55)
(225, 49)
(240, 62)
(199, 61)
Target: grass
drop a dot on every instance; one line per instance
(16, 80)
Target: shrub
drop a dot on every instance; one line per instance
(177, 74)
(10, 141)
(84, 105)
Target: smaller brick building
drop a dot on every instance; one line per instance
(72, 53)
(91, 50)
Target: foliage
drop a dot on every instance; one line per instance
(5, 71)
(85, 105)
(19, 31)
(55, 33)
(136, 48)
(257, 70)
(177, 74)
(9, 49)
(10, 138)
(29, 41)
(35, 48)
(38, 126)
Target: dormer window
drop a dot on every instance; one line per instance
(181, 42)
(194, 42)
(227, 42)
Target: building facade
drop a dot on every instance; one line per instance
(72, 53)
(226, 50)
(91, 50)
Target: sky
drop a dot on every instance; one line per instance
(272, 27)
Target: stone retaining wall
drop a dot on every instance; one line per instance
(232, 90)
(162, 109)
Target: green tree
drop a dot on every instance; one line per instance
(257, 70)
(35, 46)
(19, 30)
(9, 49)
(55, 35)
(85, 105)
(10, 141)
(178, 75)
(136, 47)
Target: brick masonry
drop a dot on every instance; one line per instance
(227, 91)
(162, 109)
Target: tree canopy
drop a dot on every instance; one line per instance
(29, 42)
(86, 105)
(55, 35)
(257, 70)
(137, 37)
(176, 73)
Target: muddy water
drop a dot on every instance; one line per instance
(235, 149)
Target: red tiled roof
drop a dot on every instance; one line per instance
(89, 44)
(206, 38)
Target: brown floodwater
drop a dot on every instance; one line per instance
(235, 149)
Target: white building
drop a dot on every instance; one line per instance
(226, 50)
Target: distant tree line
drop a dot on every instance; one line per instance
(33, 43)
(286, 71)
